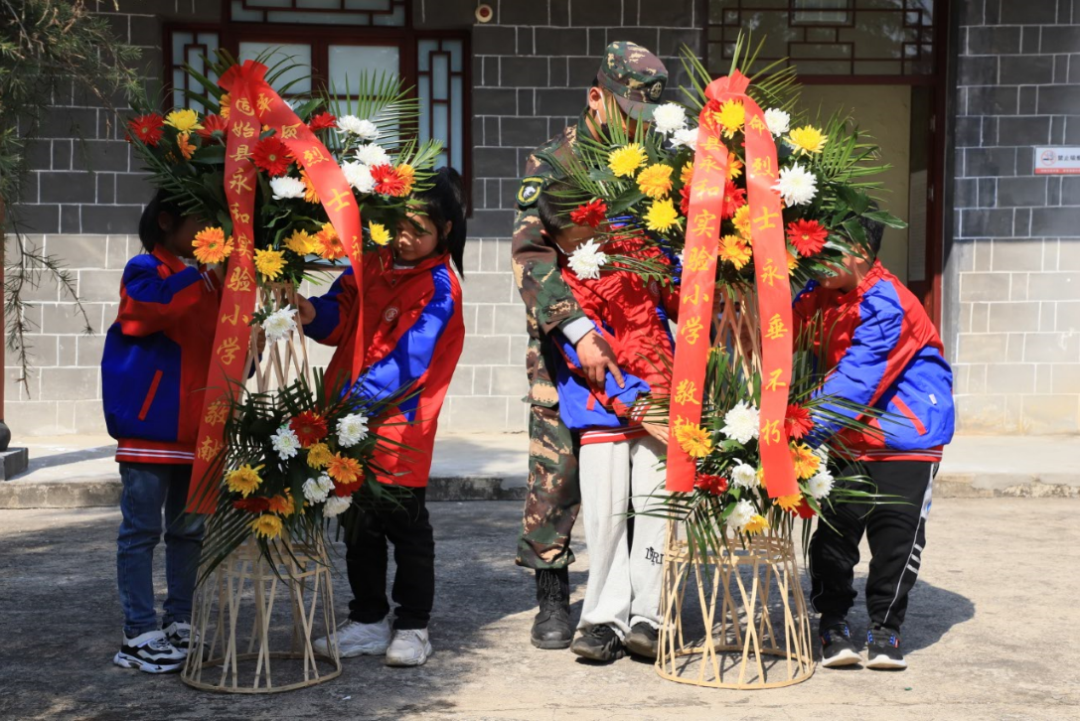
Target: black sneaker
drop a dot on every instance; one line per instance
(599, 643)
(551, 628)
(642, 640)
(150, 652)
(836, 646)
(179, 635)
(883, 650)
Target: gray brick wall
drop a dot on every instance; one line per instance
(1012, 286)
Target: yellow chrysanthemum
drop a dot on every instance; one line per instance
(379, 234)
(742, 223)
(662, 216)
(789, 503)
(266, 526)
(408, 176)
(756, 524)
(687, 173)
(734, 166)
(694, 439)
(211, 246)
(310, 194)
(186, 148)
(184, 120)
(625, 161)
(244, 480)
(806, 140)
(225, 104)
(319, 456)
(301, 242)
(735, 251)
(269, 263)
(761, 478)
(805, 461)
(655, 180)
(732, 115)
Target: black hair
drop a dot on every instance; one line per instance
(553, 210)
(874, 231)
(444, 202)
(150, 231)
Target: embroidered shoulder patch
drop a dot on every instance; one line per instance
(529, 192)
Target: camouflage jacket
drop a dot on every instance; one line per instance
(549, 303)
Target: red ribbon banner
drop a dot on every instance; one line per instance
(255, 106)
(698, 286)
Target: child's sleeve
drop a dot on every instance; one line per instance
(150, 303)
(869, 366)
(619, 400)
(414, 350)
(333, 310)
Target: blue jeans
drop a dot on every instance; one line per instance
(146, 488)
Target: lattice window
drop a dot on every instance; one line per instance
(192, 47)
(829, 37)
(379, 13)
(441, 88)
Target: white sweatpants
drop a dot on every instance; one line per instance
(624, 581)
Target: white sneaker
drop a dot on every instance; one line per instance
(358, 639)
(149, 652)
(410, 647)
(179, 635)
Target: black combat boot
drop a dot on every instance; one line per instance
(551, 629)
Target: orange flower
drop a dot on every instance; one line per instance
(408, 177)
(282, 505)
(344, 470)
(687, 173)
(742, 223)
(186, 148)
(805, 461)
(789, 503)
(328, 244)
(734, 251)
(225, 106)
(735, 166)
(310, 195)
(211, 246)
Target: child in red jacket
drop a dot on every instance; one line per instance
(885, 353)
(153, 372)
(413, 333)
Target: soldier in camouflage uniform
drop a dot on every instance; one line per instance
(634, 78)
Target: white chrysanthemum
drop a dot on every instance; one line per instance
(685, 137)
(352, 429)
(364, 129)
(821, 484)
(741, 423)
(778, 121)
(668, 118)
(285, 443)
(287, 187)
(316, 490)
(279, 324)
(359, 177)
(823, 453)
(744, 476)
(738, 518)
(336, 505)
(797, 185)
(587, 260)
(371, 155)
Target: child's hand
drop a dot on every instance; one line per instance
(659, 431)
(597, 359)
(306, 309)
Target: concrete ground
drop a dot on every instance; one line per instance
(79, 471)
(991, 634)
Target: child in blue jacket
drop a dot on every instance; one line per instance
(885, 353)
(153, 373)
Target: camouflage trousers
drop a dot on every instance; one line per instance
(553, 497)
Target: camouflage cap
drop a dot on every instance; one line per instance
(634, 76)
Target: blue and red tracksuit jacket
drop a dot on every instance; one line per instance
(884, 353)
(156, 358)
(632, 316)
(413, 332)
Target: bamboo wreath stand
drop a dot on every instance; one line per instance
(254, 619)
(734, 617)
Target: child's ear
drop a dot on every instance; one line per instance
(165, 221)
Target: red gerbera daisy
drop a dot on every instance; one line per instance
(272, 155)
(252, 505)
(803, 510)
(711, 483)
(807, 236)
(147, 128)
(387, 180)
(709, 115)
(591, 214)
(798, 421)
(212, 124)
(322, 121)
(734, 198)
(309, 427)
(684, 202)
